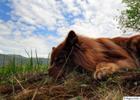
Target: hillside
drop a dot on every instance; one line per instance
(5, 59)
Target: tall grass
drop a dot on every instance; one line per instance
(10, 69)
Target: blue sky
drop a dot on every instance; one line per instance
(41, 24)
(5, 10)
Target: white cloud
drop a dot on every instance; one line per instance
(4, 28)
(39, 12)
(18, 45)
(15, 41)
(93, 18)
(98, 15)
(99, 18)
(1, 51)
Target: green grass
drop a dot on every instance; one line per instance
(12, 69)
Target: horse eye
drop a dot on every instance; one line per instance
(60, 59)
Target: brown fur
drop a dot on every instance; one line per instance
(102, 56)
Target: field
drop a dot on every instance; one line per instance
(31, 82)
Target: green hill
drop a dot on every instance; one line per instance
(5, 59)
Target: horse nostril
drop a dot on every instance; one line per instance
(55, 72)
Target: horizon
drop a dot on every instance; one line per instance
(40, 25)
(23, 56)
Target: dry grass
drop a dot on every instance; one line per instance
(75, 87)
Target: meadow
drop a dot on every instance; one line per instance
(30, 81)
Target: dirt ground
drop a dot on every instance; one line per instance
(75, 87)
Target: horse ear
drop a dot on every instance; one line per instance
(53, 48)
(72, 38)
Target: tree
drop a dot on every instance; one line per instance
(130, 17)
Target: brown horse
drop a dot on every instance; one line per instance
(101, 56)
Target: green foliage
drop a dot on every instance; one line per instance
(130, 17)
